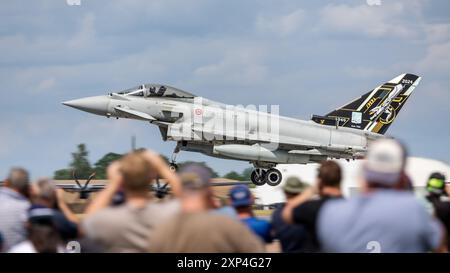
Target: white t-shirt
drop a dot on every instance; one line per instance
(27, 247)
(23, 247)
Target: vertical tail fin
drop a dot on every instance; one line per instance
(376, 110)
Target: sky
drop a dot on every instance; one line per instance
(308, 57)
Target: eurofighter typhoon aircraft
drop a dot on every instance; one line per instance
(261, 138)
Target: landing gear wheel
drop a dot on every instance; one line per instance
(273, 177)
(173, 167)
(258, 177)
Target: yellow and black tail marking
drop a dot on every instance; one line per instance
(376, 110)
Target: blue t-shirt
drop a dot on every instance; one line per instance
(260, 227)
(382, 221)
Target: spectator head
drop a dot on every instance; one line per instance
(241, 197)
(385, 163)
(42, 231)
(44, 193)
(329, 175)
(137, 173)
(195, 178)
(196, 190)
(18, 180)
(436, 184)
(293, 186)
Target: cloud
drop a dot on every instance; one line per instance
(437, 92)
(46, 84)
(85, 35)
(387, 20)
(10, 141)
(365, 71)
(438, 32)
(437, 58)
(282, 25)
(71, 46)
(239, 63)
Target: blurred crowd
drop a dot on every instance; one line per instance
(387, 215)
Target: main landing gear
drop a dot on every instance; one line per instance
(260, 176)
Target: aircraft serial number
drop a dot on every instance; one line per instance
(407, 81)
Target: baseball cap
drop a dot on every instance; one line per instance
(240, 196)
(294, 185)
(40, 215)
(195, 177)
(385, 162)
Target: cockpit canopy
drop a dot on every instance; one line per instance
(156, 90)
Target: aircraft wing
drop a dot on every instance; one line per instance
(296, 145)
(130, 113)
(254, 138)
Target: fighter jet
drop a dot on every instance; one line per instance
(264, 139)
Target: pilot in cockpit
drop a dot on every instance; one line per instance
(161, 90)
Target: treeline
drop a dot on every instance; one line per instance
(80, 163)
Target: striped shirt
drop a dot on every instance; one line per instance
(13, 210)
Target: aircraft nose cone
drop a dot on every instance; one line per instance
(96, 105)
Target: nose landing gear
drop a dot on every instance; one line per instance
(172, 165)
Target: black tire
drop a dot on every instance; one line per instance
(273, 177)
(258, 179)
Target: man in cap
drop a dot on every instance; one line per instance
(197, 228)
(43, 235)
(44, 194)
(385, 217)
(292, 237)
(242, 200)
(305, 208)
(437, 195)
